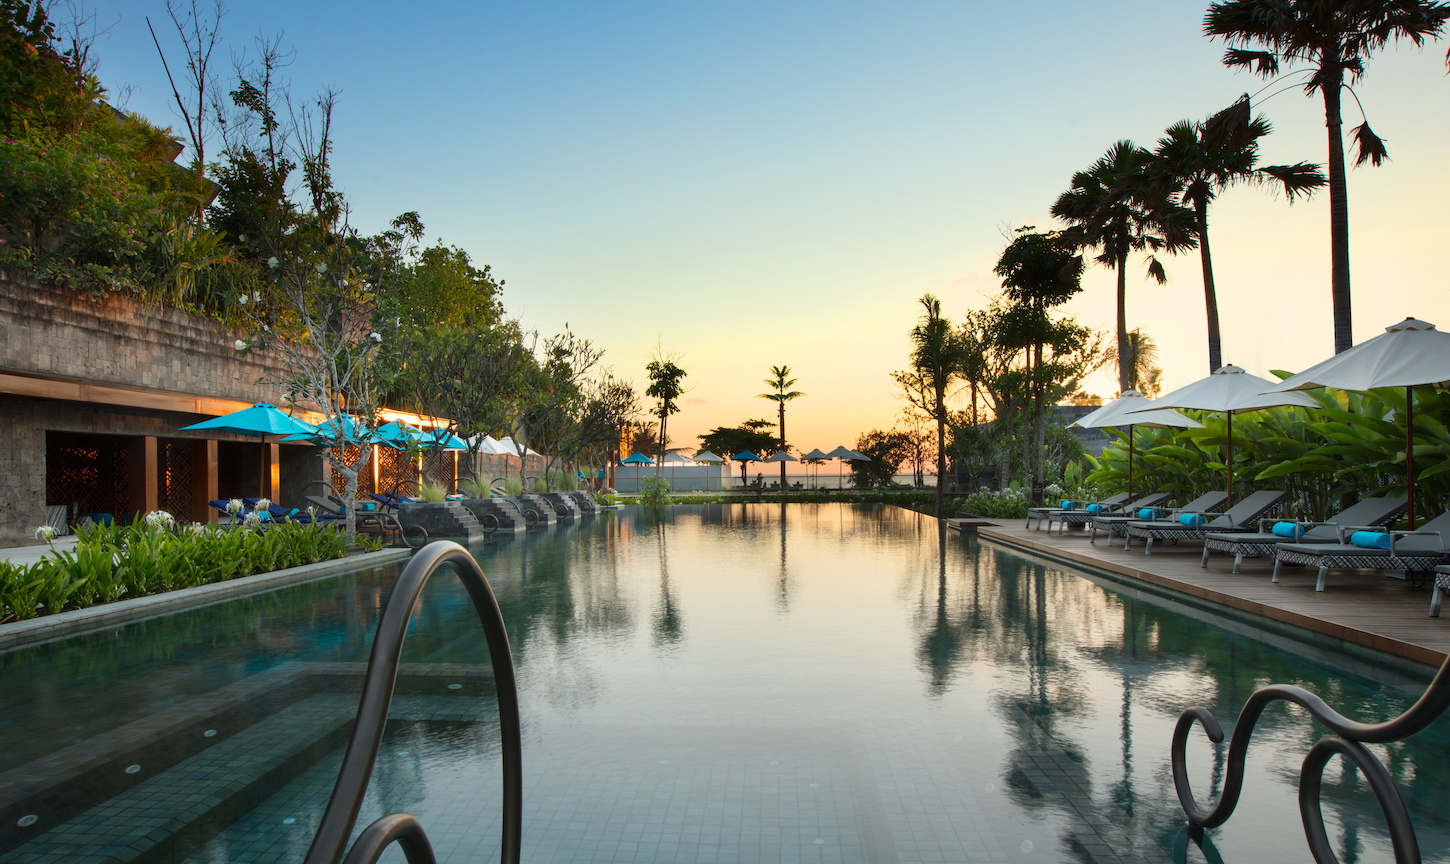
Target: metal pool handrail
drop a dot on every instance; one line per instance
(330, 842)
(1348, 741)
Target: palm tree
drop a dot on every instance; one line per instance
(1335, 40)
(781, 382)
(936, 356)
(1144, 374)
(1115, 207)
(1200, 160)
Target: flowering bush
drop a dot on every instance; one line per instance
(1001, 504)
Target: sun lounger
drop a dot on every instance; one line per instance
(1041, 514)
(1442, 582)
(1130, 509)
(1369, 512)
(1418, 551)
(1118, 525)
(1240, 518)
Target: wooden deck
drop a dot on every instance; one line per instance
(1359, 607)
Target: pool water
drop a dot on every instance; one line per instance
(721, 683)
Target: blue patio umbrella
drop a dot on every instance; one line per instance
(636, 458)
(260, 420)
(439, 438)
(743, 457)
(397, 434)
(325, 433)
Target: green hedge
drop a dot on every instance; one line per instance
(115, 562)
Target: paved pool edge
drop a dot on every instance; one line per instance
(19, 634)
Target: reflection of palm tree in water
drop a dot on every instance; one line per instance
(783, 597)
(944, 639)
(667, 626)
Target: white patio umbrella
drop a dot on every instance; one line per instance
(707, 456)
(1230, 391)
(1116, 415)
(844, 455)
(1408, 354)
(782, 457)
(814, 454)
(673, 458)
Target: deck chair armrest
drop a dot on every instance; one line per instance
(1395, 535)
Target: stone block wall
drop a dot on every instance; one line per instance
(118, 340)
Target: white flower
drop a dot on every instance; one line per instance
(252, 518)
(242, 237)
(262, 504)
(256, 296)
(239, 345)
(244, 300)
(45, 532)
(375, 336)
(321, 267)
(272, 262)
(196, 528)
(311, 509)
(236, 505)
(160, 519)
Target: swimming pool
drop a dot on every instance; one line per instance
(721, 683)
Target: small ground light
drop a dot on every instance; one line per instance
(210, 733)
(818, 841)
(1026, 845)
(27, 820)
(288, 821)
(133, 769)
(455, 686)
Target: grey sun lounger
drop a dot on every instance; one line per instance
(1371, 512)
(1082, 517)
(1442, 582)
(1118, 525)
(1418, 551)
(1240, 518)
(1042, 514)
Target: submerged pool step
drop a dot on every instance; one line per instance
(159, 818)
(63, 786)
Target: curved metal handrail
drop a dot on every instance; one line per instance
(1348, 741)
(330, 841)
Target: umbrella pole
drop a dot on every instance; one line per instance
(1230, 418)
(1410, 451)
(1130, 463)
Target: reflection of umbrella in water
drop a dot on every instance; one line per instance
(258, 421)
(707, 456)
(743, 457)
(1407, 354)
(814, 454)
(782, 457)
(1229, 391)
(1113, 415)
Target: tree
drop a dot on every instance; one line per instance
(936, 357)
(199, 31)
(1335, 40)
(729, 440)
(1201, 160)
(1144, 374)
(1115, 208)
(781, 382)
(887, 450)
(1040, 271)
(665, 376)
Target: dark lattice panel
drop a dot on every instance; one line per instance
(438, 467)
(174, 477)
(89, 471)
(395, 466)
(365, 485)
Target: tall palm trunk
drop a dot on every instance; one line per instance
(782, 445)
(1125, 370)
(1338, 208)
(1210, 297)
(941, 447)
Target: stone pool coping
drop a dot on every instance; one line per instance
(17, 634)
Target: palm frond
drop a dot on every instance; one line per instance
(1263, 63)
(1370, 147)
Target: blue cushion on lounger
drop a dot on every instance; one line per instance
(1095, 508)
(1147, 513)
(1370, 540)
(1067, 505)
(1292, 530)
(1192, 520)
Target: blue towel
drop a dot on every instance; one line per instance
(1067, 505)
(1192, 520)
(1147, 513)
(1288, 529)
(1370, 540)
(1095, 508)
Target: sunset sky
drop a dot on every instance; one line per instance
(754, 184)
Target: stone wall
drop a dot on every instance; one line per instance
(118, 340)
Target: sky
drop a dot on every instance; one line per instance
(755, 184)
